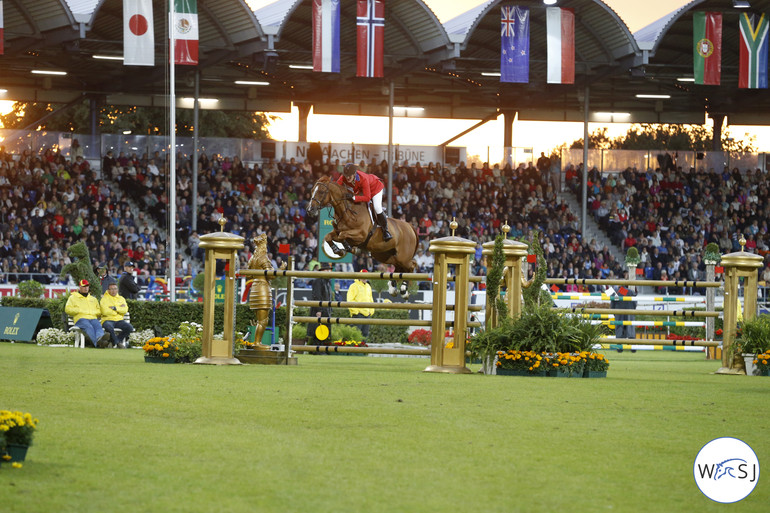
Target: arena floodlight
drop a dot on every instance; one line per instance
(3, 91)
(301, 66)
(252, 82)
(685, 79)
(654, 96)
(549, 2)
(741, 4)
(490, 73)
(108, 57)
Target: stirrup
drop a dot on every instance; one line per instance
(386, 236)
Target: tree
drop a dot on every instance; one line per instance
(139, 120)
(666, 137)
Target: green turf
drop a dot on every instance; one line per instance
(339, 433)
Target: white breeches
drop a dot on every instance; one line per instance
(377, 202)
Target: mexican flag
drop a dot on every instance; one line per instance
(184, 24)
(707, 47)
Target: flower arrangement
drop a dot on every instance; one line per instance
(138, 338)
(762, 361)
(16, 428)
(596, 362)
(420, 336)
(161, 347)
(525, 361)
(567, 363)
(349, 343)
(55, 336)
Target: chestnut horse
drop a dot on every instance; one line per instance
(353, 227)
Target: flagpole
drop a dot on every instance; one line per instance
(172, 157)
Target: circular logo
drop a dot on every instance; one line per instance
(137, 24)
(705, 48)
(322, 332)
(183, 26)
(726, 470)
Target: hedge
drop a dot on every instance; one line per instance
(162, 316)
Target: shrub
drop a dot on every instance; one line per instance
(31, 289)
(420, 336)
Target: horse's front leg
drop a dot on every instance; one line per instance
(334, 242)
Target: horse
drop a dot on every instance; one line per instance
(354, 227)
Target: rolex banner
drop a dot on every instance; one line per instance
(184, 23)
(753, 51)
(707, 47)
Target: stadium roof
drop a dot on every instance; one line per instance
(442, 68)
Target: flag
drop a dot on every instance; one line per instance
(371, 38)
(623, 291)
(753, 52)
(554, 288)
(531, 259)
(185, 27)
(514, 44)
(560, 41)
(138, 33)
(707, 47)
(326, 35)
(284, 249)
(2, 50)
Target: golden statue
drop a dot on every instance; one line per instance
(261, 296)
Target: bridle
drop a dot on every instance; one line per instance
(340, 206)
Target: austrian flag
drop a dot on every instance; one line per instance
(185, 27)
(371, 38)
(560, 40)
(138, 33)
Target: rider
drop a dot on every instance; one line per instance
(364, 187)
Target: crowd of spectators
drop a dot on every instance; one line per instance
(48, 202)
(671, 214)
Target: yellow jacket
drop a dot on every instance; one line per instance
(108, 301)
(82, 307)
(361, 292)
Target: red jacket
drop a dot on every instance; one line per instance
(364, 186)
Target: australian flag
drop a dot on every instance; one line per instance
(514, 44)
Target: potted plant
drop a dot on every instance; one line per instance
(753, 339)
(566, 365)
(762, 363)
(520, 363)
(31, 289)
(55, 337)
(160, 350)
(596, 366)
(16, 430)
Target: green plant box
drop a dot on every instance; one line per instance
(16, 452)
(511, 372)
(158, 359)
(559, 374)
(594, 374)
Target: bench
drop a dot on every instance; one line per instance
(80, 337)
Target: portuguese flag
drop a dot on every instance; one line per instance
(185, 26)
(753, 51)
(707, 47)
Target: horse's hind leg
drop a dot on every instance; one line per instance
(392, 290)
(404, 289)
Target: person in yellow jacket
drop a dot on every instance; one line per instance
(114, 308)
(85, 311)
(361, 292)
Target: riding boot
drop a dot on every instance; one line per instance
(383, 222)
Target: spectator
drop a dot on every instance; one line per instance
(361, 292)
(114, 308)
(85, 311)
(128, 287)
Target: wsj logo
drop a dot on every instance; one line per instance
(726, 470)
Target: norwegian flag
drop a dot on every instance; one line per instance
(371, 38)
